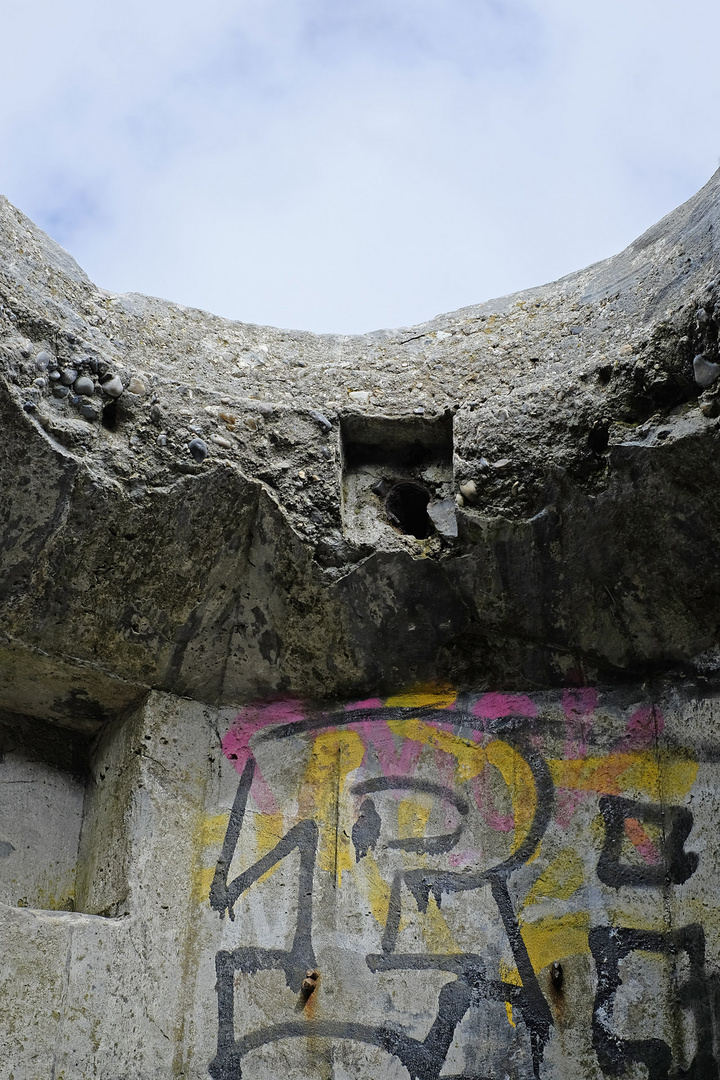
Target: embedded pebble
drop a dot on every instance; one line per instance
(113, 387)
(68, 376)
(319, 418)
(468, 490)
(198, 449)
(29, 406)
(90, 412)
(136, 386)
(360, 396)
(61, 391)
(251, 423)
(84, 386)
(705, 371)
(459, 501)
(419, 411)
(161, 440)
(43, 360)
(701, 315)
(220, 440)
(54, 375)
(42, 383)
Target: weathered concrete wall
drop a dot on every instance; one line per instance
(195, 507)
(506, 874)
(431, 856)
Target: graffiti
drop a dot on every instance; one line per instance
(609, 946)
(446, 820)
(672, 863)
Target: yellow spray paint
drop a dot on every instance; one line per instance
(436, 932)
(213, 828)
(202, 880)
(335, 754)
(509, 974)
(658, 775)
(472, 758)
(372, 885)
(412, 818)
(560, 880)
(556, 937)
(268, 831)
(438, 697)
(211, 833)
(518, 776)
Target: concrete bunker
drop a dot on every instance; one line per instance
(286, 713)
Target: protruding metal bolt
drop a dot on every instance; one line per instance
(557, 975)
(310, 982)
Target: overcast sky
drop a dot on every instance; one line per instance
(342, 165)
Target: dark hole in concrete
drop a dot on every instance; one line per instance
(406, 505)
(599, 438)
(110, 416)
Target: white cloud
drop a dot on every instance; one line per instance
(340, 166)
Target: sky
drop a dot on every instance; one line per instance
(345, 165)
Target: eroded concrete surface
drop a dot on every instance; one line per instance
(584, 445)
(233, 843)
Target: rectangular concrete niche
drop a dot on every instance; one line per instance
(397, 489)
(113, 784)
(64, 801)
(43, 771)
